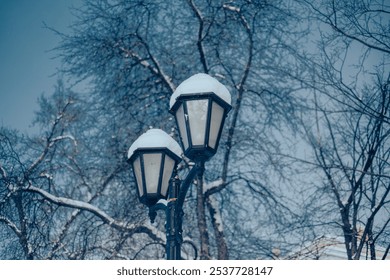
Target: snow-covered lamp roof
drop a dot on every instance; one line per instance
(155, 138)
(201, 83)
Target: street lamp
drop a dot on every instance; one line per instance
(153, 156)
(200, 105)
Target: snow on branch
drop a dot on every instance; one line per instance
(67, 202)
(62, 137)
(148, 229)
(155, 70)
(216, 214)
(231, 8)
(50, 143)
(159, 234)
(3, 172)
(11, 225)
(209, 187)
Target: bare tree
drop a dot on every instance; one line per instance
(133, 54)
(348, 128)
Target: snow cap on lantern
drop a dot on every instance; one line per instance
(155, 138)
(198, 84)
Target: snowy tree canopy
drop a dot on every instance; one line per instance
(304, 151)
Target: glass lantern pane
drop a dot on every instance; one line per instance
(215, 124)
(167, 173)
(197, 114)
(152, 165)
(138, 175)
(181, 121)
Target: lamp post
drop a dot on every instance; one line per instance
(200, 105)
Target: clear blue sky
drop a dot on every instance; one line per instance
(26, 63)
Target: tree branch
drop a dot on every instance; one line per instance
(199, 43)
(76, 204)
(14, 228)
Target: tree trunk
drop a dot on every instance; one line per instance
(223, 253)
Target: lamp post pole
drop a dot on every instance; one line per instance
(174, 222)
(200, 105)
(174, 212)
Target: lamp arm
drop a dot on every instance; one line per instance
(185, 185)
(161, 205)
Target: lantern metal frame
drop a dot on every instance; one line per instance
(146, 197)
(204, 151)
